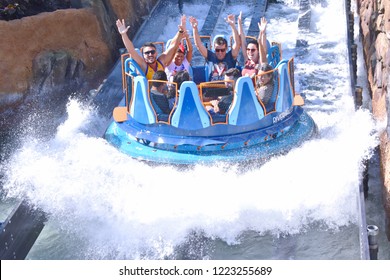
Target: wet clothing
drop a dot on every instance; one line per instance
(150, 71)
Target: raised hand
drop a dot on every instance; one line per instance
(262, 24)
(182, 25)
(193, 21)
(230, 19)
(239, 18)
(122, 28)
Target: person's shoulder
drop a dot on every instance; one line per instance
(211, 55)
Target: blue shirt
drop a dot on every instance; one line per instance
(229, 60)
(220, 66)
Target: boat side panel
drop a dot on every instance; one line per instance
(141, 108)
(300, 131)
(190, 113)
(245, 107)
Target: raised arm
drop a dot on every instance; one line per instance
(237, 42)
(189, 46)
(122, 29)
(186, 36)
(242, 37)
(170, 52)
(262, 40)
(198, 42)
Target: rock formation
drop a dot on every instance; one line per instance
(375, 30)
(63, 51)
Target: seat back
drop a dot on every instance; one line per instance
(274, 54)
(132, 67)
(190, 113)
(285, 96)
(245, 108)
(141, 108)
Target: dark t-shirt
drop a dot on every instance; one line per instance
(225, 103)
(161, 101)
(229, 62)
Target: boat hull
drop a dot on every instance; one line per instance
(303, 128)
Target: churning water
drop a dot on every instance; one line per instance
(303, 205)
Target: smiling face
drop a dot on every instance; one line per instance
(178, 59)
(149, 54)
(220, 51)
(252, 52)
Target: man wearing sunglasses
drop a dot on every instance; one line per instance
(148, 60)
(221, 53)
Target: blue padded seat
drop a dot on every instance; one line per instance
(246, 108)
(285, 96)
(141, 108)
(273, 54)
(190, 113)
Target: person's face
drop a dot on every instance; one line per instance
(266, 78)
(149, 54)
(179, 57)
(220, 51)
(163, 88)
(252, 53)
(228, 84)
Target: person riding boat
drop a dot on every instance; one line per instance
(158, 93)
(180, 62)
(265, 83)
(221, 105)
(149, 62)
(220, 55)
(254, 52)
(182, 58)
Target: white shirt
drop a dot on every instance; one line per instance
(172, 68)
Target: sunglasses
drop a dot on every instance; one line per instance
(251, 50)
(150, 52)
(220, 50)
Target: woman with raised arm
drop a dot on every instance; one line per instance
(254, 52)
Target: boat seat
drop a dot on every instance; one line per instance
(273, 54)
(132, 67)
(200, 74)
(190, 113)
(141, 108)
(245, 108)
(285, 96)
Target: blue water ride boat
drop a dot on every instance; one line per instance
(249, 131)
